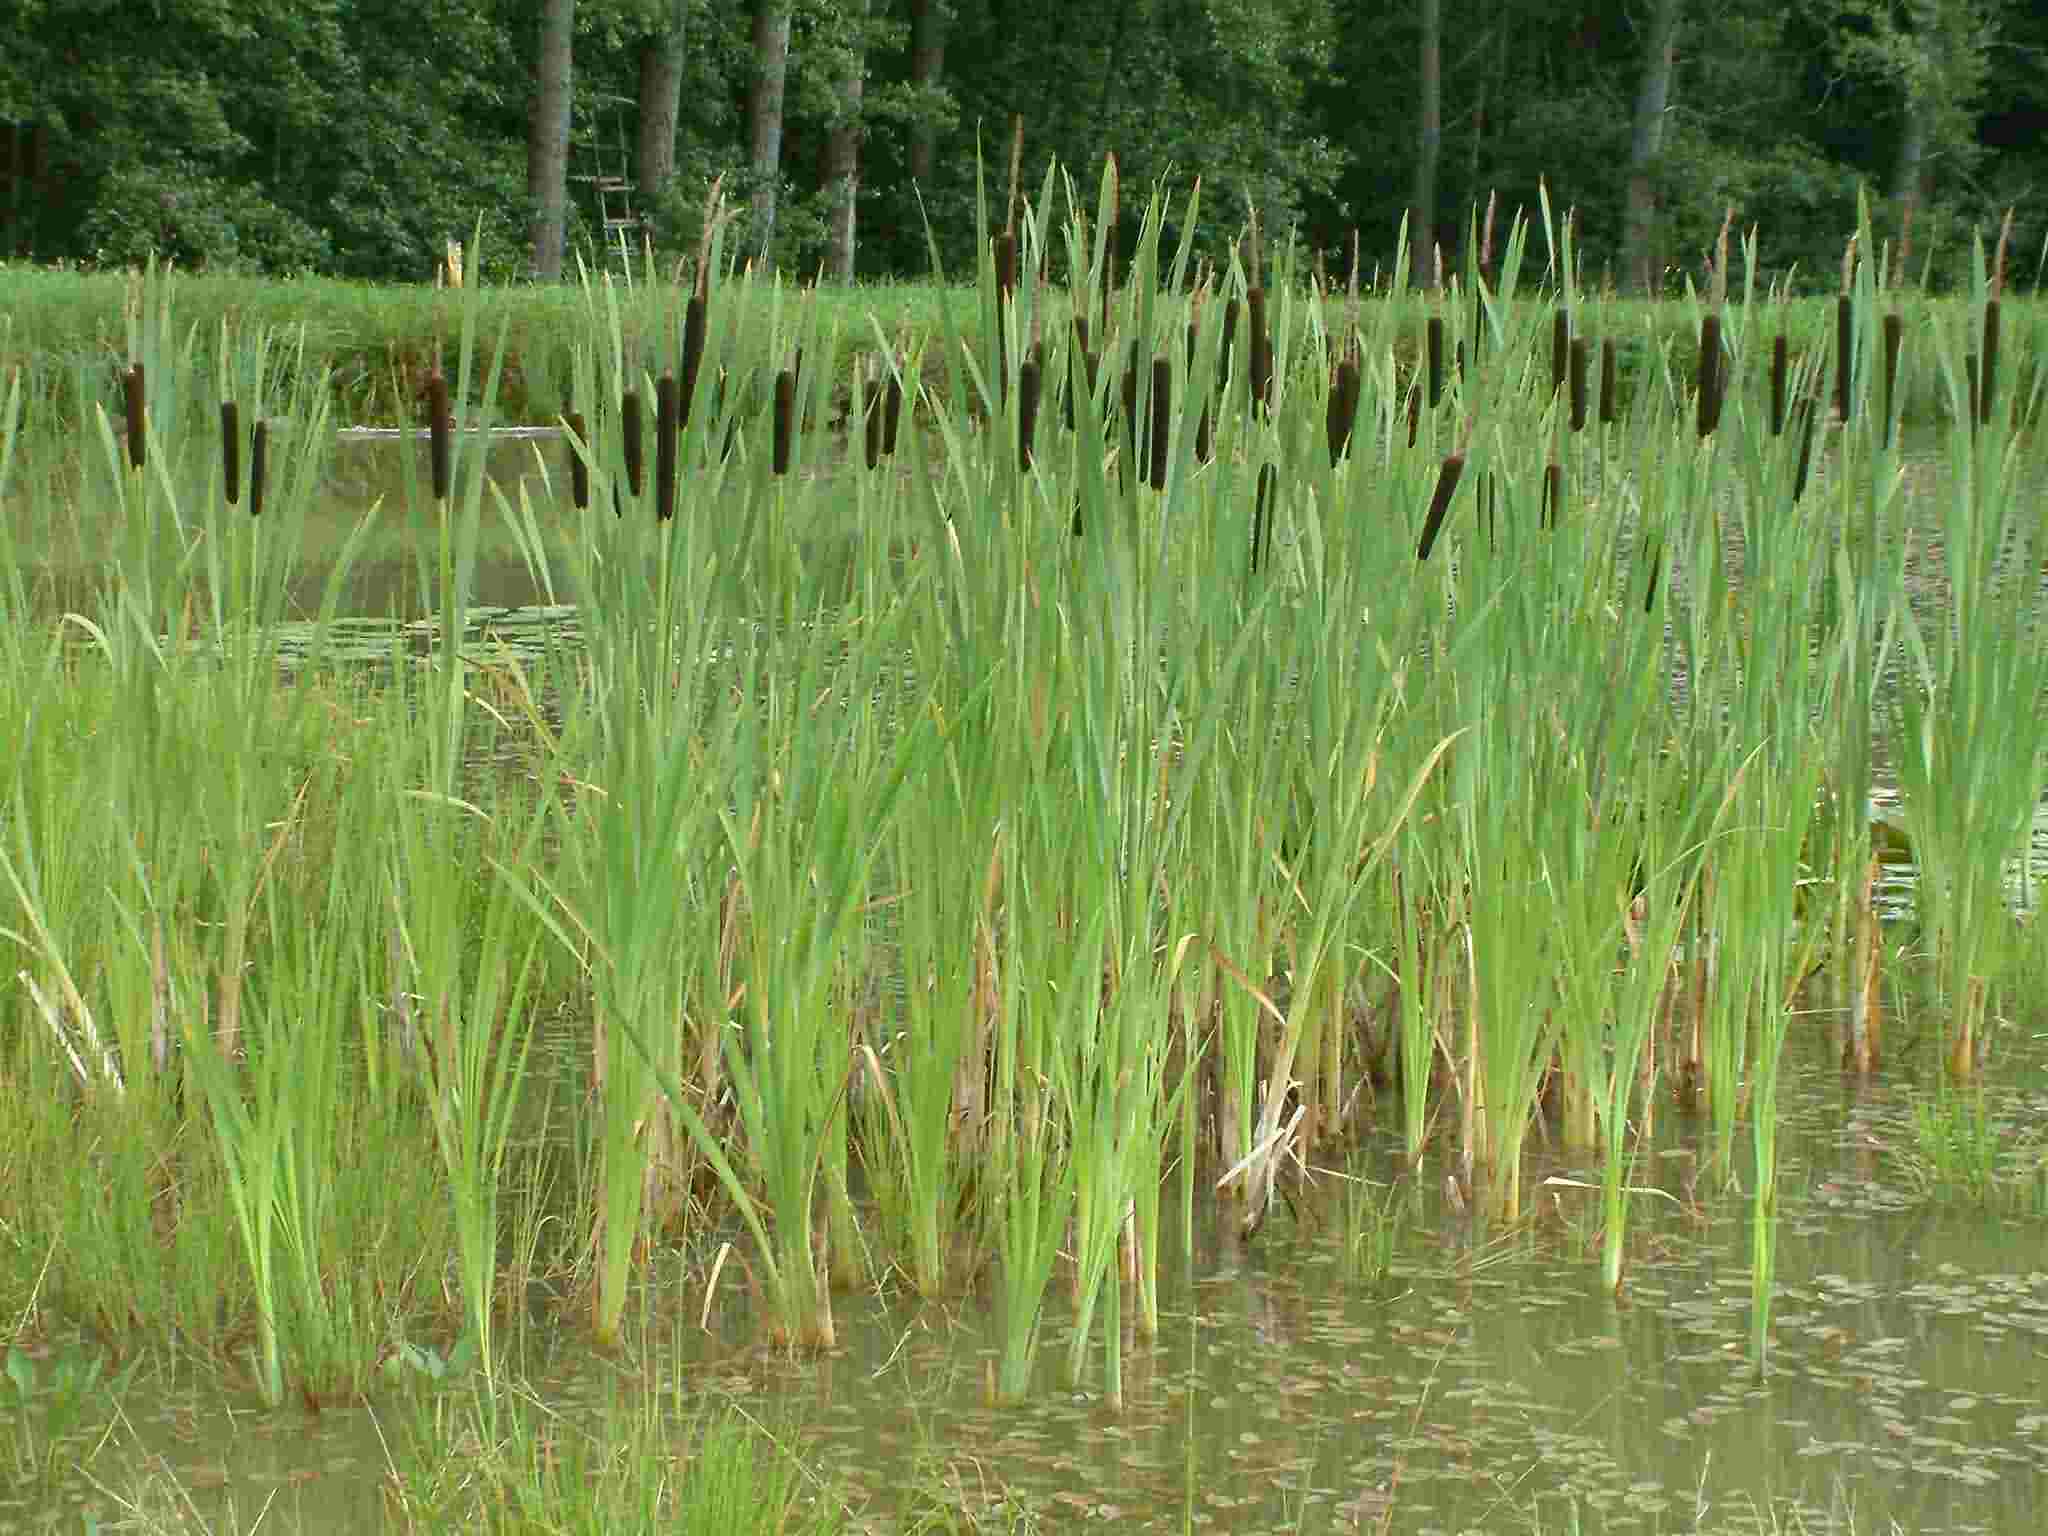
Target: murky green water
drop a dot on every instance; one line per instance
(1482, 1384)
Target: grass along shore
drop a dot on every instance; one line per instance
(68, 331)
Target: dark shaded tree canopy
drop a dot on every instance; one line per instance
(355, 137)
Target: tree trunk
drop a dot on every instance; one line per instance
(1428, 149)
(1114, 54)
(771, 69)
(547, 140)
(842, 150)
(1652, 95)
(1492, 84)
(927, 68)
(661, 98)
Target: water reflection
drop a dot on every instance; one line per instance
(1487, 1385)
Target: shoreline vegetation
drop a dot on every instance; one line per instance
(1201, 723)
(66, 330)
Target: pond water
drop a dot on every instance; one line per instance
(1478, 1384)
(1482, 1382)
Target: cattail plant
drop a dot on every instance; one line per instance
(1987, 367)
(1006, 266)
(579, 467)
(785, 419)
(1261, 372)
(1343, 407)
(1553, 493)
(629, 436)
(259, 458)
(695, 319)
(1229, 338)
(1610, 407)
(1262, 514)
(1204, 427)
(1077, 355)
(1781, 363)
(1162, 401)
(1862, 1042)
(1109, 241)
(1483, 277)
(667, 427)
(697, 312)
(132, 399)
(1894, 335)
(1433, 347)
(1129, 396)
(1710, 361)
(1560, 349)
(1845, 334)
(1004, 250)
(437, 431)
(892, 413)
(1809, 408)
(1027, 409)
(1578, 383)
(1447, 477)
(231, 450)
(1709, 374)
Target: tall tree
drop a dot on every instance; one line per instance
(1936, 54)
(1429, 147)
(1653, 96)
(842, 146)
(771, 71)
(663, 55)
(927, 71)
(547, 142)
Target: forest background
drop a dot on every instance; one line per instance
(356, 137)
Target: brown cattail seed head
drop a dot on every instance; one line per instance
(259, 458)
(437, 431)
(630, 437)
(231, 450)
(1709, 374)
(1780, 368)
(667, 427)
(579, 467)
(1262, 514)
(1578, 383)
(1027, 409)
(132, 400)
(1894, 338)
(1162, 410)
(785, 419)
(1845, 341)
(694, 322)
(1448, 475)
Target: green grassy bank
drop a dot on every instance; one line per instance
(71, 332)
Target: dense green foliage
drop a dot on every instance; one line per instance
(352, 137)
